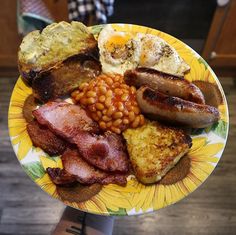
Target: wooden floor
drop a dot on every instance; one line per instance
(25, 209)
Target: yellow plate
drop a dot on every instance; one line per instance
(135, 198)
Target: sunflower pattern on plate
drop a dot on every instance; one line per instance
(157, 196)
(101, 203)
(16, 122)
(135, 198)
(200, 71)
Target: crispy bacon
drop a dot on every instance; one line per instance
(69, 121)
(85, 173)
(106, 152)
(60, 176)
(65, 119)
(42, 137)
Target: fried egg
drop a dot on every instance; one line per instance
(120, 51)
(158, 54)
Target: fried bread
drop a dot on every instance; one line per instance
(58, 59)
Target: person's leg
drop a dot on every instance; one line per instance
(80, 223)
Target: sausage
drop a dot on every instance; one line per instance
(175, 110)
(165, 83)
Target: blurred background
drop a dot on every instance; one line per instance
(209, 27)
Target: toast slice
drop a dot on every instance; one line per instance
(64, 77)
(58, 59)
(154, 149)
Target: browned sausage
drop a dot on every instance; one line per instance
(176, 110)
(165, 83)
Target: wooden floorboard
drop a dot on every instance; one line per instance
(32, 215)
(21, 229)
(210, 210)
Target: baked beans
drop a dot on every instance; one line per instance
(110, 102)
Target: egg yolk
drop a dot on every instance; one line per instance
(150, 52)
(146, 47)
(116, 42)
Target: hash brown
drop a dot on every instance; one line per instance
(154, 149)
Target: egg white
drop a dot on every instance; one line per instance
(121, 51)
(117, 57)
(157, 54)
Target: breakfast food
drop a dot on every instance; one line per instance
(74, 119)
(120, 51)
(104, 130)
(75, 70)
(85, 173)
(154, 149)
(67, 49)
(111, 102)
(176, 110)
(106, 151)
(165, 83)
(45, 139)
(61, 176)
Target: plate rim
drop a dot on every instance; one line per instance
(152, 210)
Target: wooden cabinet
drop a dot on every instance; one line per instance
(58, 9)
(9, 37)
(220, 47)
